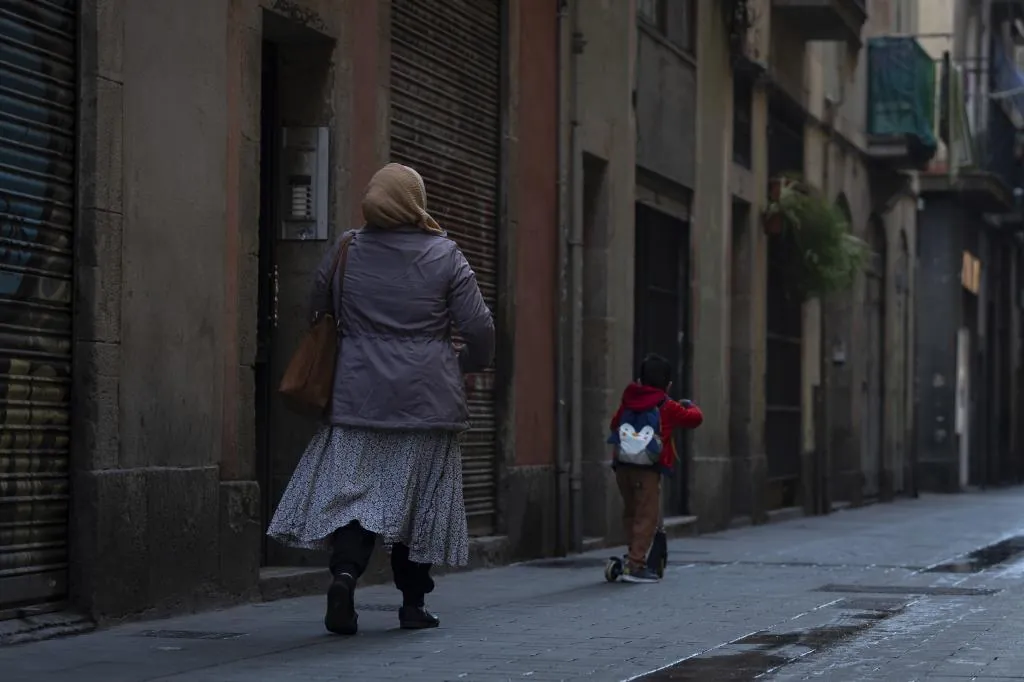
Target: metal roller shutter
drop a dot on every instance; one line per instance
(446, 123)
(37, 186)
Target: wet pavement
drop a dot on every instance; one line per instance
(983, 557)
(926, 589)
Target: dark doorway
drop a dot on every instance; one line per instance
(296, 80)
(783, 417)
(877, 477)
(661, 315)
(267, 297)
(974, 438)
(783, 420)
(1003, 361)
(741, 293)
(905, 449)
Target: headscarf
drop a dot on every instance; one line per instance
(396, 196)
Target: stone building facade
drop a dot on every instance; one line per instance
(604, 164)
(180, 169)
(800, 411)
(969, 358)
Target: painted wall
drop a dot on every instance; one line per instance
(529, 497)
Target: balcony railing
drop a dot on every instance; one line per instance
(998, 150)
(999, 146)
(901, 102)
(989, 155)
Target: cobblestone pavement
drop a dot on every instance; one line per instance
(842, 597)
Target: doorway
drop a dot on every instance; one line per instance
(963, 405)
(661, 315)
(904, 467)
(266, 321)
(295, 174)
(1002, 285)
(877, 480)
(741, 290)
(783, 377)
(783, 419)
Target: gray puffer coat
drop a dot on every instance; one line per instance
(404, 290)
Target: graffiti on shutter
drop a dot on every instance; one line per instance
(37, 144)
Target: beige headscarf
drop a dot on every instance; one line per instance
(397, 196)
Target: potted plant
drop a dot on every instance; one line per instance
(824, 256)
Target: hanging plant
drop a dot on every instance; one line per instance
(824, 257)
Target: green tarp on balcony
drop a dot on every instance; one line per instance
(901, 92)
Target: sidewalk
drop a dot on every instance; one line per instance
(843, 597)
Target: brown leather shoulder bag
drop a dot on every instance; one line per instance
(308, 381)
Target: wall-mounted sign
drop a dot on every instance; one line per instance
(970, 273)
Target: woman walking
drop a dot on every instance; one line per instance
(387, 462)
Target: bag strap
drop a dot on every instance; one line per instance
(338, 271)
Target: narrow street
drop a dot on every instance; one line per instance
(924, 589)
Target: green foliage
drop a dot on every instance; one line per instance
(824, 256)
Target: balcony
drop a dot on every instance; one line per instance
(1000, 147)
(997, 168)
(901, 103)
(989, 175)
(985, 164)
(824, 19)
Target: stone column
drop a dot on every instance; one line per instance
(710, 229)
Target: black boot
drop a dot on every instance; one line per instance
(414, 616)
(341, 618)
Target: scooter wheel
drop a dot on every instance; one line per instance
(613, 569)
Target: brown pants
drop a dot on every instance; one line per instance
(641, 509)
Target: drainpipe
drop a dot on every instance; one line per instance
(562, 369)
(575, 247)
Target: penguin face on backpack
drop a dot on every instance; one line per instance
(633, 442)
(638, 437)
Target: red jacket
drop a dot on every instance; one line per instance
(640, 398)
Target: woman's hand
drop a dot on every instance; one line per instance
(468, 383)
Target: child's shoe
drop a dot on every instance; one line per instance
(638, 574)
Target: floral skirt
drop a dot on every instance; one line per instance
(406, 486)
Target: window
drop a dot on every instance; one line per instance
(652, 11)
(675, 20)
(904, 17)
(742, 119)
